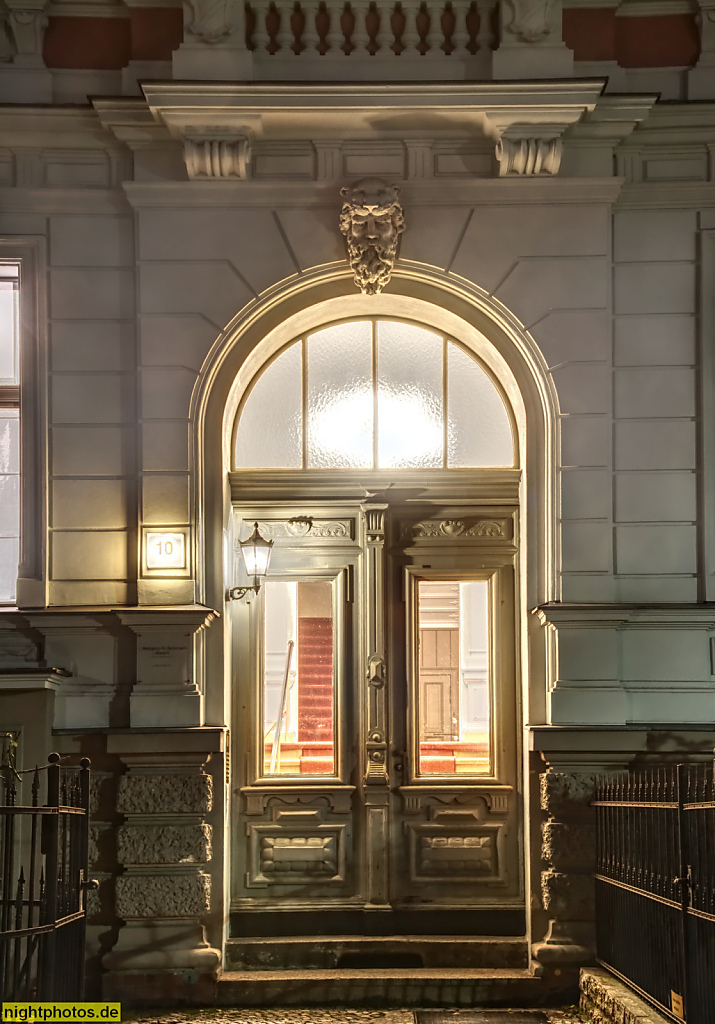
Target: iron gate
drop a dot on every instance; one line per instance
(43, 879)
(655, 886)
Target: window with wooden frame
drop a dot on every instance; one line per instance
(9, 429)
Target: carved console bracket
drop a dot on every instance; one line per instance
(27, 21)
(218, 156)
(528, 156)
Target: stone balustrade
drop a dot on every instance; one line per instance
(379, 29)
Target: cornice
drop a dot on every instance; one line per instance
(595, 616)
(325, 110)
(433, 192)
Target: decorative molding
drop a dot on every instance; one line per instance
(617, 616)
(225, 157)
(374, 521)
(455, 855)
(337, 798)
(371, 221)
(451, 529)
(528, 156)
(295, 854)
(308, 527)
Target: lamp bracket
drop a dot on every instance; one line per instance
(238, 593)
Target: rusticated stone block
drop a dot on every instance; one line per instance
(606, 999)
(567, 846)
(164, 844)
(163, 895)
(165, 794)
(565, 795)
(568, 896)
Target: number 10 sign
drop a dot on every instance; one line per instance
(165, 551)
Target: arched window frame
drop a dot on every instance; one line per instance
(447, 338)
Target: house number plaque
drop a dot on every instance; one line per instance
(165, 551)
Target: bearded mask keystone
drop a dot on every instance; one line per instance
(371, 221)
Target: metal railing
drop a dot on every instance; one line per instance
(655, 886)
(43, 881)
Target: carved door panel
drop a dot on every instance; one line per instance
(454, 812)
(295, 826)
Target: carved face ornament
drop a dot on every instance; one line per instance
(371, 221)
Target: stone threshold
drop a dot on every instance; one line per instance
(381, 989)
(604, 998)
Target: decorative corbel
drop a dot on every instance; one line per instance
(27, 21)
(219, 155)
(522, 155)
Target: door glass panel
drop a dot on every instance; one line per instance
(453, 677)
(409, 396)
(340, 399)
(271, 433)
(298, 679)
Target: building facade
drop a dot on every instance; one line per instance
(480, 439)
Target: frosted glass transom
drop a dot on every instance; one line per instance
(374, 394)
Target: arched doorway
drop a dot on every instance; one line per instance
(377, 703)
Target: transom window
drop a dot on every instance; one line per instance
(374, 394)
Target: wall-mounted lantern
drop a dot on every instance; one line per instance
(256, 553)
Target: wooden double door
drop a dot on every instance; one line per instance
(375, 743)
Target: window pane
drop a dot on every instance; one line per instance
(453, 684)
(478, 428)
(298, 716)
(340, 402)
(270, 431)
(409, 402)
(8, 324)
(9, 502)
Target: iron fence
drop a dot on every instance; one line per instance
(655, 886)
(43, 882)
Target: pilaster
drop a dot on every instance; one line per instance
(165, 846)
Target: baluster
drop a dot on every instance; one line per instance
(284, 35)
(486, 39)
(361, 36)
(384, 37)
(261, 36)
(460, 33)
(410, 35)
(435, 35)
(334, 37)
(311, 36)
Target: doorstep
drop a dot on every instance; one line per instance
(419, 987)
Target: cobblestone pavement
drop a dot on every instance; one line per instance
(323, 1016)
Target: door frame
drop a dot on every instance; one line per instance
(274, 493)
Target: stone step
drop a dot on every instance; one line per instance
(422, 987)
(335, 952)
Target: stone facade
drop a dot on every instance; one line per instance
(174, 237)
